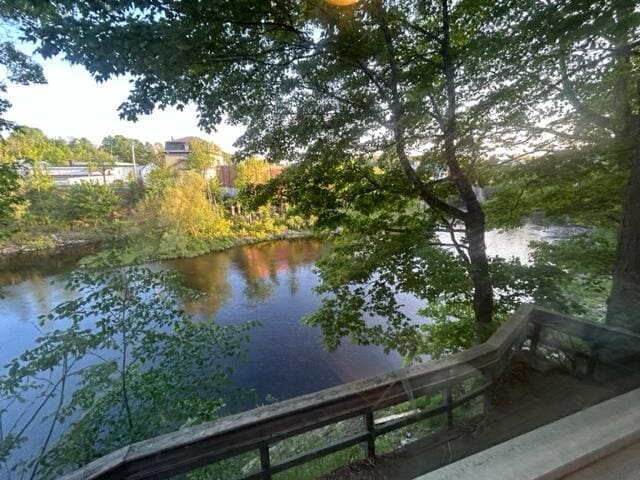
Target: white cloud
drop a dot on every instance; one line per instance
(72, 104)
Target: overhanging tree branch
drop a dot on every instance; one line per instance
(589, 114)
(398, 131)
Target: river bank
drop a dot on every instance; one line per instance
(88, 246)
(51, 243)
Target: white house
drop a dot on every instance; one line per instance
(80, 172)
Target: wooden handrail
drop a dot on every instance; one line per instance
(189, 448)
(582, 329)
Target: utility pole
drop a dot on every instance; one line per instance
(133, 159)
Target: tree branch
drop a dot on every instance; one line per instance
(397, 112)
(590, 115)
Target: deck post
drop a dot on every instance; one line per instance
(535, 338)
(265, 462)
(490, 378)
(448, 401)
(370, 445)
(591, 362)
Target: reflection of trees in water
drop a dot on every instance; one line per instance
(25, 282)
(260, 264)
(208, 274)
(259, 290)
(131, 364)
(293, 280)
(24, 268)
(13, 277)
(30, 298)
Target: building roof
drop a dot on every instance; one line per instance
(186, 139)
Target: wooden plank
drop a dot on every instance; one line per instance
(555, 450)
(182, 453)
(392, 425)
(584, 329)
(190, 448)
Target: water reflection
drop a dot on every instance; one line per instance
(260, 267)
(271, 283)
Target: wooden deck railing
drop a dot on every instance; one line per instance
(584, 344)
(259, 429)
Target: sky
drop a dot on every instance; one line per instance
(72, 104)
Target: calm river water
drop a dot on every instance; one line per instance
(270, 282)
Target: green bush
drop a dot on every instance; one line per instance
(90, 202)
(9, 195)
(46, 206)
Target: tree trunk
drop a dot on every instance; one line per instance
(479, 265)
(473, 217)
(474, 220)
(474, 223)
(623, 306)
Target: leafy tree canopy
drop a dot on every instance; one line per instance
(202, 154)
(120, 147)
(10, 195)
(252, 171)
(17, 67)
(322, 84)
(26, 143)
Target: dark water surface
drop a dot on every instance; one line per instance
(270, 282)
(273, 283)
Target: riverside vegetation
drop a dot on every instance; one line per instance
(175, 214)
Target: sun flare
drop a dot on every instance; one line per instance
(341, 3)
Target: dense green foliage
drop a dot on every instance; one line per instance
(252, 171)
(91, 202)
(119, 363)
(397, 112)
(202, 154)
(171, 214)
(415, 99)
(120, 147)
(25, 143)
(9, 192)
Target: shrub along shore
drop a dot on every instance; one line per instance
(170, 216)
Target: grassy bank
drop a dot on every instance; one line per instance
(54, 240)
(101, 243)
(168, 247)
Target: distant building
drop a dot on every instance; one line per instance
(80, 172)
(176, 154)
(227, 176)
